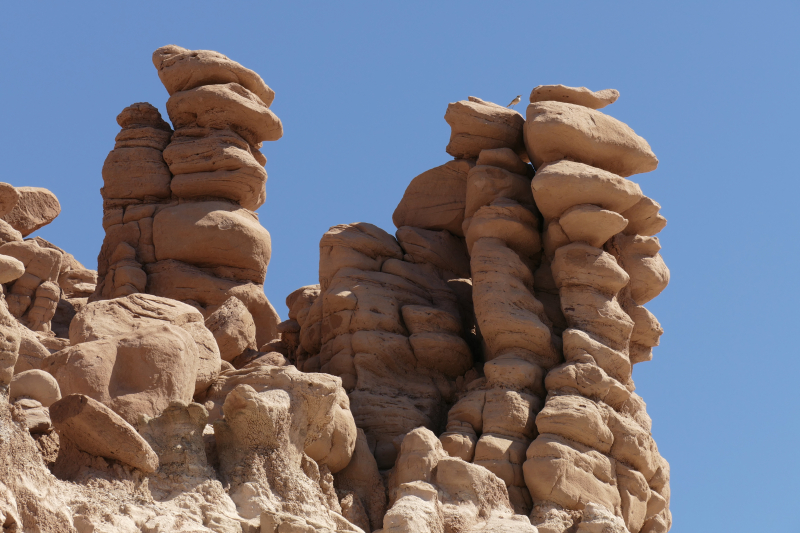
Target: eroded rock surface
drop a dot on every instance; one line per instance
(472, 372)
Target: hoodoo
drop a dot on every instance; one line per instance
(472, 372)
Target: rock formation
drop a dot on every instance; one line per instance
(470, 373)
(550, 263)
(178, 205)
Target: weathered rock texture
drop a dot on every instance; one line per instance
(548, 266)
(178, 206)
(594, 446)
(471, 373)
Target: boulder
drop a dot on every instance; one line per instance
(106, 319)
(8, 234)
(95, 429)
(225, 106)
(435, 199)
(219, 163)
(570, 474)
(233, 328)
(563, 184)
(219, 236)
(37, 416)
(180, 70)
(591, 224)
(32, 352)
(578, 419)
(556, 131)
(8, 198)
(10, 269)
(137, 373)
(477, 125)
(36, 208)
(36, 384)
(644, 218)
(574, 95)
(639, 256)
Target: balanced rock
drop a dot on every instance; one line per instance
(478, 125)
(574, 95)
(180, 70)
(36, 208)
(136, 373)
(108, 319)
(555, 131)
(95, 429)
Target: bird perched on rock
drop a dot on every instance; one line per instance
(515, 101)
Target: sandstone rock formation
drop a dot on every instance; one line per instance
(178, 205)
(549, 266)
(470, 373)
(603, 275)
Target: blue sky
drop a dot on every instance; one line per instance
(361, 89)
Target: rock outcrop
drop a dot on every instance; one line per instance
(604, 271)
(470, 373)
(550, 265)
(178, 205)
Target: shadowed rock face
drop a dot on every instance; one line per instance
(471, 373)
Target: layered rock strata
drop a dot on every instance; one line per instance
(178, 206)
(594, 446)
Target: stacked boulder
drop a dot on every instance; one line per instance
(31, 271)
(594, 446)
(143, 405)
(178, 206)
(493, 424)
(545, 266)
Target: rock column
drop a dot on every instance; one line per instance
(178, 206)
(494, 424)
(594, 446)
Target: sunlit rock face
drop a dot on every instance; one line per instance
(472, 372)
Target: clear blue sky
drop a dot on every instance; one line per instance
(362, 89)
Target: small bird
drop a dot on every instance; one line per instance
(515, 101)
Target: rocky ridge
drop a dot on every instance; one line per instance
(471, 372)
